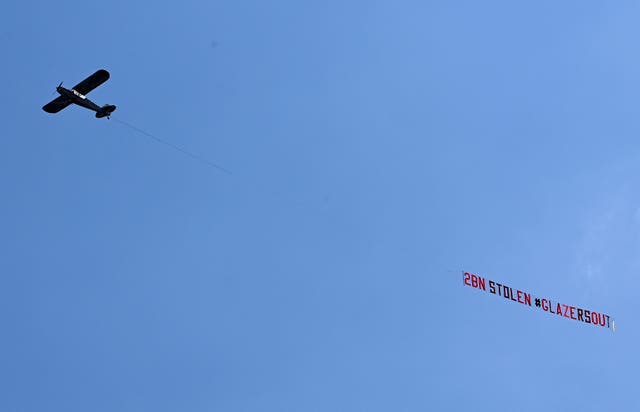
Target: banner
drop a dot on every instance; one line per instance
(547, 305)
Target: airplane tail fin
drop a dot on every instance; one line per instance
(105, 111)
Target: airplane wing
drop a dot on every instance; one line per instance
(91, 82)
(56, 104)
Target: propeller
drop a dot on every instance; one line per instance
(57, 88)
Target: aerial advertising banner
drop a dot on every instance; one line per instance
(550, 306)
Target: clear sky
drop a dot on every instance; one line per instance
(377, 148)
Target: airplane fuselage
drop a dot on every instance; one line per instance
(77, 98)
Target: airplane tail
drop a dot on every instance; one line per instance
(105, 111)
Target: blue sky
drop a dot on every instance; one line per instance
(377, 149)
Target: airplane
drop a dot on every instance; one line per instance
(77, 95)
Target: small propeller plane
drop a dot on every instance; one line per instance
(78, 96)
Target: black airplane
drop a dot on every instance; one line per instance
(77, 95)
